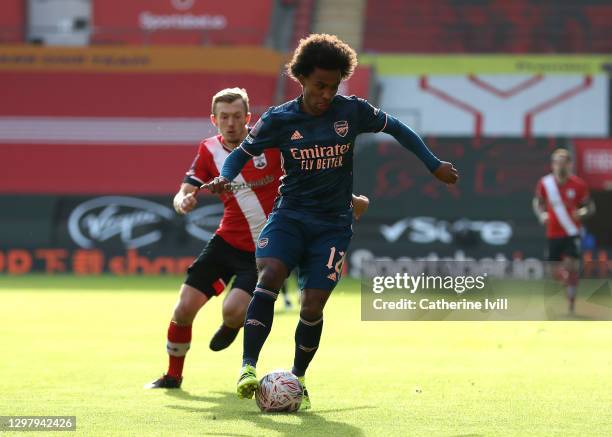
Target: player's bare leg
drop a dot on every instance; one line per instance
(190, 301)
(234, 310)
(572, 267)
(308, 334)
(258, 321)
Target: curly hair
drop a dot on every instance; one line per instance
(320, 50)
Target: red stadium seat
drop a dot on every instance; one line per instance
(488, 26)
(205, 22)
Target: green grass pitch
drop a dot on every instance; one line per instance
(86, 346)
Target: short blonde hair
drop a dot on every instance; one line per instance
(229, 95)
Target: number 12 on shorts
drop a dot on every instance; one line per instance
(338, 265)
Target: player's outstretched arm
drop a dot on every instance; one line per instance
(232, 165)
(218, 185)
(442, 170)
(185, 200)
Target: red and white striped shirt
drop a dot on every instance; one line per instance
(561, 203)
(246, 208)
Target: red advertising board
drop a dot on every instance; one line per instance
(594, 162)
(168, 81)
(85, 262)
(181, 22)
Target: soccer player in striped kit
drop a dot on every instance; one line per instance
(561, 203)
(230, 252)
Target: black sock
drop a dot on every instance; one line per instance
(307, 336)
(258, 323)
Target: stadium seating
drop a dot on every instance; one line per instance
(154, 22)
(488, 26)
(108, 129)
(204, 22)
(37, 94)
(302, 20)
(12, 17)
(112, 128)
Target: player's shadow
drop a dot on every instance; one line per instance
(228, 408)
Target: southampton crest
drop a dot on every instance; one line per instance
(260, 161)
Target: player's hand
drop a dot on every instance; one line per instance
(543, 217)
(218, 185)
(188, 203)
(360, 206)
(447, 173)
(580, 214)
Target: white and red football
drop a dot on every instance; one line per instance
(279, 391)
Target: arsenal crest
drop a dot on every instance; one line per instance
(260, 161)
(341, 127)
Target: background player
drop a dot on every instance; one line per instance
(561, 203)
(231, 250)
(310, 226)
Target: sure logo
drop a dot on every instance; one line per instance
(426, 230)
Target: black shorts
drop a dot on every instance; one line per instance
(558, 248)
(215, 266)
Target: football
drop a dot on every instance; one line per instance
(279, 391)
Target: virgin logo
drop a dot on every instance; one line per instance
(202, 222)
(182, 5)
(132, 220)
